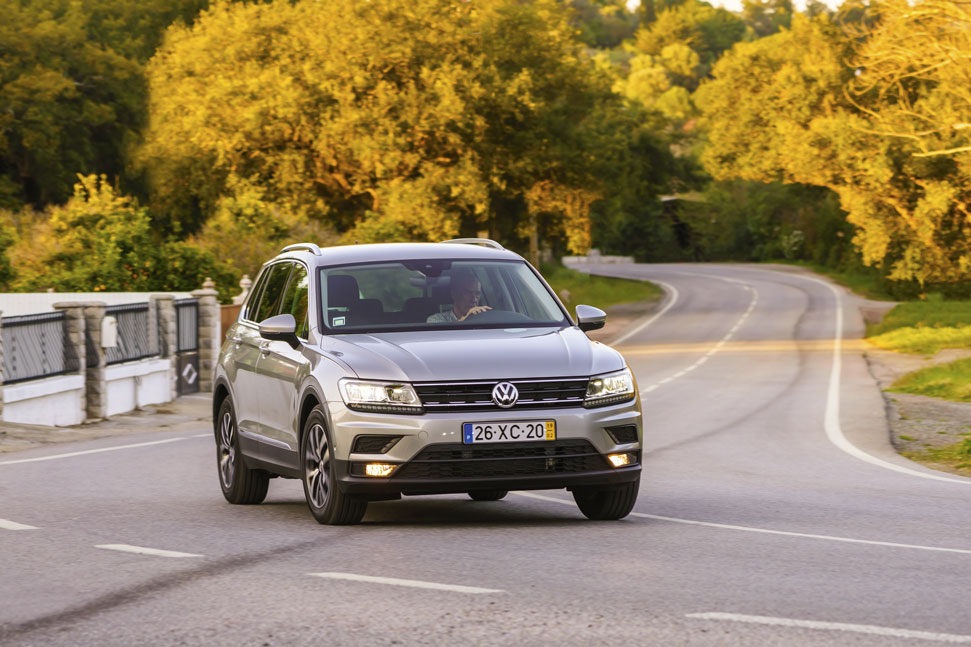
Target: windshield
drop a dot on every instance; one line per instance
(435, 294)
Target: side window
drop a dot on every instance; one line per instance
(273, 292)
(249, 309)
(295, 299)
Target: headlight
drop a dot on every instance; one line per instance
(381, 397)
(609, 389)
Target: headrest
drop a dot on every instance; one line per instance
(342, 291)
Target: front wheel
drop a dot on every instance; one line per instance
(327, 503)
(239, 484)
(603, 504)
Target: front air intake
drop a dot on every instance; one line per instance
(374, 444)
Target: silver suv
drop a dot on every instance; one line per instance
(372, 371)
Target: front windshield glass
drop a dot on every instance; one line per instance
(435, 294)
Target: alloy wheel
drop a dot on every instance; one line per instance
(317, 466)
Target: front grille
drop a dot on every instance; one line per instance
(477, 396)
(455, 461)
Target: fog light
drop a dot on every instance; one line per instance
(378, 469)
(619, 460)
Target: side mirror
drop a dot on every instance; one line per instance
(590, 318)
(280, 328)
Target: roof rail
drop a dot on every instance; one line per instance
(475, 241)
(308, 246)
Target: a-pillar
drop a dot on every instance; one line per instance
(209, 332)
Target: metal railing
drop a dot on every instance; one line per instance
(137, 339)
(33, 347)
(187, 325)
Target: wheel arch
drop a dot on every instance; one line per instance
(219, 393)
(310, 399)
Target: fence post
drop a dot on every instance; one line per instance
(1, 365)
(209, 333)
(96, 392)
(75, 348)
(164, 305)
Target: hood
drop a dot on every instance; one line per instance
(451, 355)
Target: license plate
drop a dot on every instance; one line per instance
(508, 431)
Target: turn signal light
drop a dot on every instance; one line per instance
(619, 460)
(378, 469)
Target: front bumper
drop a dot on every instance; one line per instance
(431, 458)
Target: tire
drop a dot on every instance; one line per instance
(240, 485)
(327, 503)
(607, 504)
(488, 495)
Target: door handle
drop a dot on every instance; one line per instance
(236, 340)
(265, 348)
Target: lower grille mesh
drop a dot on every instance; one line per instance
(451, 461)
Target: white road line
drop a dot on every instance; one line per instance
(834, 626)
(98, 451)
(718, 345)
(141, 550)
(767, 531)
(831, 424)
(418, 584)
(13, 525)
(673, 298)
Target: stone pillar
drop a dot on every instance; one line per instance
(75, 348)
(209, 333)
(244, 284)
(96, 391)
(1, 365)
(164, 307)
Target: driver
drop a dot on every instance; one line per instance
(466, 292)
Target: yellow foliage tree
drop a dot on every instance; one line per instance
(389, 119)
(789, 108)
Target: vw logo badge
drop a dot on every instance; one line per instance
(505, 394)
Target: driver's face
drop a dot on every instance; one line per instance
(465, 296)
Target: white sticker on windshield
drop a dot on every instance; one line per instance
(338, 321)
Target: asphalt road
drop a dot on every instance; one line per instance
(772, 512)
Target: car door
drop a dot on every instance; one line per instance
(246, 340)
(281, 369)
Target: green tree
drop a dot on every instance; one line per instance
(67, 104)
(102, 241)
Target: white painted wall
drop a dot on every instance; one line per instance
(136, 384)
(52, 401)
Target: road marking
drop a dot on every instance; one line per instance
(767, 531)
(13, 525)
(141, 550)
(831, 424)
(719, 344)
(418, 584)
(834, 626)
(674, 295)
(98, 451)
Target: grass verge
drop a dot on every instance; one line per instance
(955, 458)
(597, 291)
(950, 381)
(924, 326)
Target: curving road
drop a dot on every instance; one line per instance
(772, 512)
